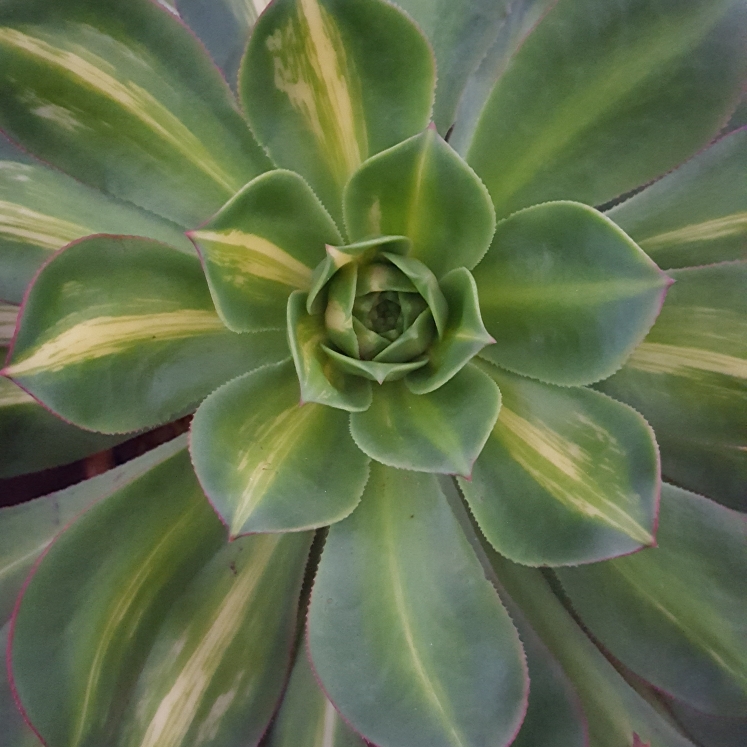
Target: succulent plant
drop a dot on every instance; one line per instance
(431, 333)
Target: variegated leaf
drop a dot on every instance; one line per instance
(697, 214)
(261, 246)
(268, 463)
(119, 334)
(122, 97)
(567, 476)
(328, 83)
(603, 97)
(406, 634)
(689, 379)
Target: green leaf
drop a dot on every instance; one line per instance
(328, 83)
(423, 190)
(119, 334)
(464, 335)
(710, 731)
(677, 614)
(262, 245)
(567, 476)
(401, 604)
(566, 294)
(306, 718)
(123, 97)
(15, 732)
(372, 370)
(268, 464)
(172, 636)
(320, 379)
(42, 210)
(689, 379)
(338, 316)
(8, 319)
(603, 97)
(443, 431)
(697, 214)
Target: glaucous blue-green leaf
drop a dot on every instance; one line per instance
(120, 333)
(567, 475)
(15, 732)
(172, 635)
(677, 614)
(460, 34)
(223, 27)
(739, 117)
(442, 431)
(689, 379)
(603, 97)
(42, 210)
(328, 83)
(614, 711)
(261, 246)
(707, 730)
(423, 190)
(464, 334)
(270, 464)
(697, 214)
(566, 294)
(124, 98)
(306, 718)
(321, 380)
(407, 636)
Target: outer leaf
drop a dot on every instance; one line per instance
(122, 97)
(689, 379)
(423, 190)
(328, 83)
(604, 97)
(42, 210)
(566, 294)
(697, 214)
(710, 731)
(161, 626)
(119, 334)
(270, 464)
(567, 476)
(262, 245)
(15, 731)
(441, 662)
(8, 319)
(321, 380)
(677, 615)
(306, 718)
(443, 431)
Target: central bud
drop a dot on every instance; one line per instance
(381, 313)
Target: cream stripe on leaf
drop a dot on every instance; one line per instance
(696, 215)
(125, 99)
(119, 334)
(689, 379)
(564, 104)
(567, 476)
(321, 78)
(261, 246)
(437, 676)
(269, 463)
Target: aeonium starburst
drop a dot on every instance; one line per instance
(379, 313)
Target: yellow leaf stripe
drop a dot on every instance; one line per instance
(11, 394)
(107, 335)
(658, 358)
(711, 230)
(21, 224)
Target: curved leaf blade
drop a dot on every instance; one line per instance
(602, 98)
(119, 334)
(442, 662)
(566, 294)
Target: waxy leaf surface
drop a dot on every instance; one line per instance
(710, 731)
(603, 97)
(697, 214)
(423, 190)
(124, 98)
(406, 634)
(677, 614)
(567, 476)
(268, 463)
(442, 431)
(120, 333)
(328, 83)
(15, 732)
(566, 294)
(689, 379)
(261, 246)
